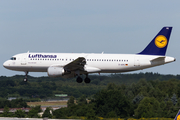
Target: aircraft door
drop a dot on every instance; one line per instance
(23, 60)
(137, 61)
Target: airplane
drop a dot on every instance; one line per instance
(69, 65)
(177, 116)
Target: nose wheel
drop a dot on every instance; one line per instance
(25, 79)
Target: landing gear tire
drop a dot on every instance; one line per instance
(25, 79)
(87, 80)
(79, 79)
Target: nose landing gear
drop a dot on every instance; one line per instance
(25, 78)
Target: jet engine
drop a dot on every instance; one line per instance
(54, 71)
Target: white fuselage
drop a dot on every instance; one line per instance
(95, 63)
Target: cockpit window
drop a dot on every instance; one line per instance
(13, 58)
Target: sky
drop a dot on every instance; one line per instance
(80, 26)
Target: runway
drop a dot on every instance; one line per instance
(6, 118)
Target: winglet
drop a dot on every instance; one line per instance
(177, 116)
(159, 44)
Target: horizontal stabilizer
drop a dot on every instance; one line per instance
(158, 59)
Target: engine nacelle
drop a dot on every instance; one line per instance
(54, 71)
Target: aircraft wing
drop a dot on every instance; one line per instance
(77, 64)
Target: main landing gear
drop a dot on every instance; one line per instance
(25, 78)
(79, 79)
(86, 80)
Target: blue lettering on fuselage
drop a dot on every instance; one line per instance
(42, 56)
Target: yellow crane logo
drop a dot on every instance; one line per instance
(160, 41)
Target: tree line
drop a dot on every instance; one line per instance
(44, 87)
(153, 99)
(118, 95)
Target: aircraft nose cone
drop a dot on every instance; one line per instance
(6, 64)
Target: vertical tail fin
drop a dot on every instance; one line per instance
(177, 116)
(159, 44)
